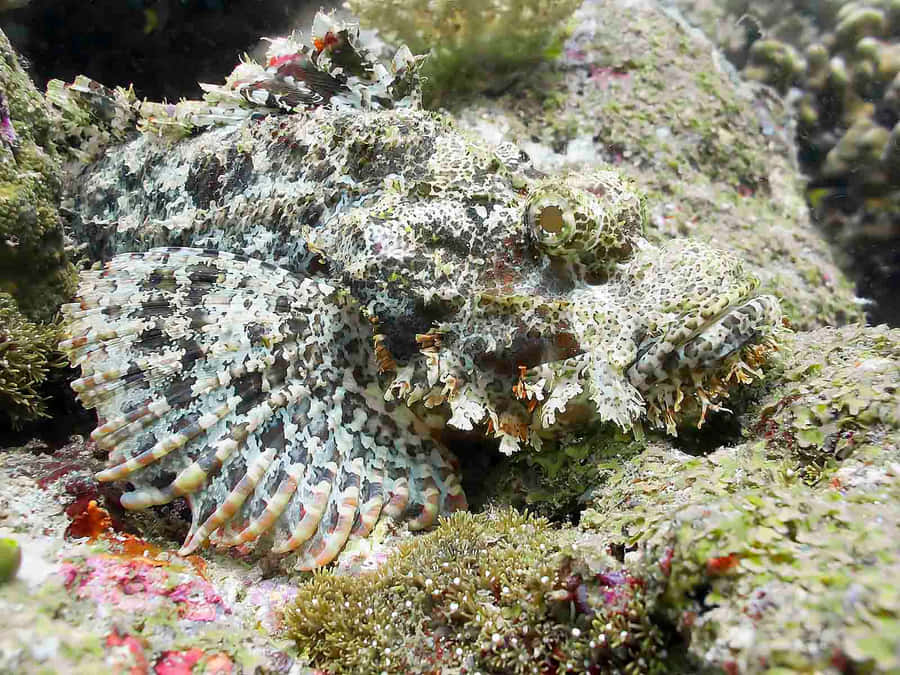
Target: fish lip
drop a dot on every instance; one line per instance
(673, 365)
(645, 345)
(531, 352)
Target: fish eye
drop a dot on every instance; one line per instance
(593, 218)
(552, 222)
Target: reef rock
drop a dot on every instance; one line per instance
(33, 264)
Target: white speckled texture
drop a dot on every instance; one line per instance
(398, 272)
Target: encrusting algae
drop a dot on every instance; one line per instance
(33, 264)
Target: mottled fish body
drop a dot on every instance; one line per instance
(298, 296)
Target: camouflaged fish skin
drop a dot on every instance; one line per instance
(356, 281)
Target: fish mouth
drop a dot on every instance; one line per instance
(660, 358)
(529, 352)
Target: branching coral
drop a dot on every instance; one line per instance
(474, 46)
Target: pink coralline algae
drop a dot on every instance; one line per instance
(178, 663)
(183, 663)
(604, 75)
(127, 655)
(665, 563)
(618, 587)
(138, 585)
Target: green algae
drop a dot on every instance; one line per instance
(27, 353)
(834, 393)
(556, 482)
(54, 625)
(777, 550)
(10, 558)
(765, 569)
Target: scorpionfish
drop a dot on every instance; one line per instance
(304, 278)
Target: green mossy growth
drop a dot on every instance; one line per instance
(27, 352)
(556, 482)
(766, 571)
(778, 552)
(834, 393)
(496, 592)
(33, 264)
(473, 45)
